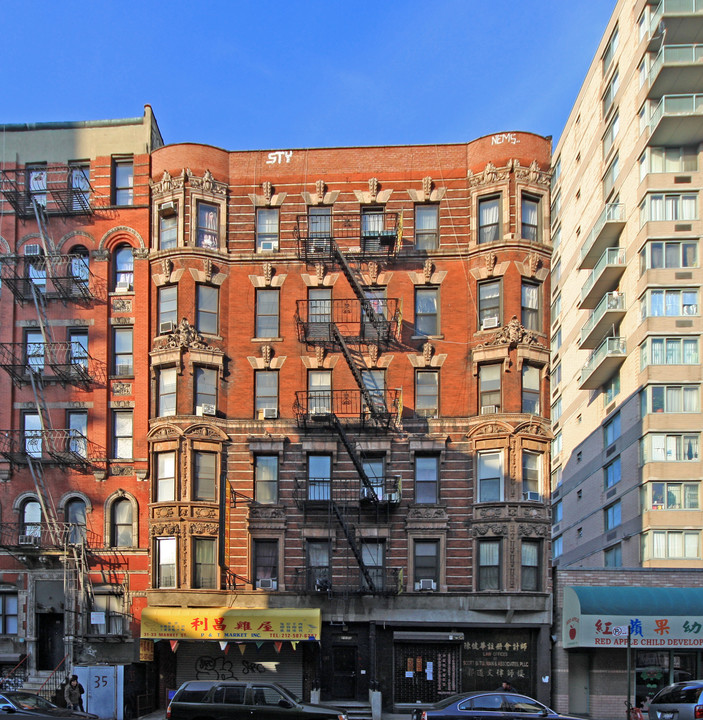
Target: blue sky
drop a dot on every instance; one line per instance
(295, 73)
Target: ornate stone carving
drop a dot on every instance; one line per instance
(490, 429)
(121, 388)
(532, 262)
(373, 354)
(497, 529)
(267, 354)
(206, 184)
(100, 255)
(427, 352)
(166, 267)
(185, 336)
(490, 174)
(207, 269)
(320, 272)
(319, 355)
(421, 513)
(203, 529)
(263, 512)
(205, 431)
(373, 271)
(170, 528)
(491, 260)
(268, 273)
(267, 187)
(121, 470)
(427, 186)
(140, 253)
(164, 512)
(121, 304)
(427, 270)
(512, 335)
(531, 174)
(204, 512)
(168, 184)
(373, 188)
(164, 432)
(534, 529)
(320, 190)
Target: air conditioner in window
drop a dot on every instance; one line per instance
(166, 327)
(270, 413)
(489, 409)
(123, 287)
(206, 409)
(427, 584)
(32, 540)
(489, 322)
(267, 584)
(533, 496)
(123, 370)
(268, 246)
(393, 497)
(168, 209)
(32, 249)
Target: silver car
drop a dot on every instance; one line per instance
(680, 701)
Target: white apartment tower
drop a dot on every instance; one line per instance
(626, 371)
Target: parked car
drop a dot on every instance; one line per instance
(680, 701)
(216, 700)
(487, 705)
(24, 703)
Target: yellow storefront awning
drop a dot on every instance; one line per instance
(224, 623)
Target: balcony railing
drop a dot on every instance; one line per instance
(603, 362)
(40, 536)
(346, 492)
(676, 8)
(348, 581)
(64, 447)
(316, 406)
(677, 119)
(676, 69)
(609, 310)
(605, 231)
(607, 270)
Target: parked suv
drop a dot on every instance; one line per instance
(680, 701)
(214, 700)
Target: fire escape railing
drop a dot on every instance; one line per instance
(64, 447)
(386, 581)
(38, 536)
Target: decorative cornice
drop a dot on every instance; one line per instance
(512, 335)
(185, 336)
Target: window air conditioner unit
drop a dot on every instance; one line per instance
(270, 413)
(268, 246)
(32, 249)
(489, 322)
(534, 496)
(32, 540)
(168, 209)
(427, 584)
(489, 409)
(267, 584)
(123, 287)
(206, 409)
(166, 327)
(393, 497)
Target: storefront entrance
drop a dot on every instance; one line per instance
(344, 672)
(426, 672)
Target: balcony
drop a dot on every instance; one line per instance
(604, 234)
(677, 120)
(312, 492)
(348, 581)
(57, 189)
(42, 537)
(316, 317)
(609, 311)
(603, 363)
(367, 234)
(64, 447)
(318, 407)
(604, 277)
(676, 69)
(683, 20)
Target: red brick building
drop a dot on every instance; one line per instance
(74, 493)
(348, 445)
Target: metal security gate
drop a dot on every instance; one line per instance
(426, 672)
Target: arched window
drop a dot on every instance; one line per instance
(31, 519)
(76, 519)
(124, 268)
(121, 522)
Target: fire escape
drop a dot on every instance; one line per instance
(36, 278)
(350, 326)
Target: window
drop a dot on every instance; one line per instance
(555, 309)
(376, 474)
(168, 308)
(319, 391)
(556, 239)
(531, 476)
(122, 351)
(375, 383)
(611, 516)
(611, 389)
(426, 563)
(671, 303)
(121, 523)
(204, 476)
(489, 565)
(165, 477)
(77, 422)
(554, 210)
(207, 234)
(124, 268)
(36, 183)
(556, 339)
(610, 49)
(76, 521)
(673, 496)
(427, 393)
(8, 614)
(377, 300)
(556, 173)
(320, 228)
(318, 562)
(266, 564)
(267, 302)
(426, 479)
(372, 226)
(669, 351)
(530, 571)
(612, 557)
(610, 92)
(166, 562)
(32, 434)
(611, 430)
(611, 132)
(168, 227)
(672, 159)
(613, 473)
(123, 181)
(266, 479)
(266, 400)
(671, 206)
(670, 399)
(556, 273)
(34, 350)
(530, 306)
(671, 544)
(669, 254)
(557, 547)
(319, 477)
(530, 389)
(557, 512)
(556, 375)
(31, 519)
(555, 413)
(489, 310)
(108, 608)
(207, 304)
(489, 219)
(530, 213)
(426, 227)
(426, 311)
(205, 390)
(123, 433)
(674, 447)
(373, 555)
(611, 175)
(489, 388)
(490, 477)
(167, 392)
(204, 564)
(266, 229)
(320, 309)
(78, 340)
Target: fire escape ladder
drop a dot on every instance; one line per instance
(351, 540)
(355, 458)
